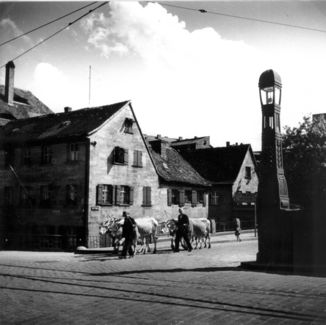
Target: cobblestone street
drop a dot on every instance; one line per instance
(205, 286)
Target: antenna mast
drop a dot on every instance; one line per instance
(89, 85)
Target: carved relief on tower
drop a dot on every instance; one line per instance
(283, 188)
(279, 156)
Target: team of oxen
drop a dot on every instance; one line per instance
(148, 229)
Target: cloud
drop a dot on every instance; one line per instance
(9, 29)
(189, 75)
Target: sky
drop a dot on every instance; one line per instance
(186, 73)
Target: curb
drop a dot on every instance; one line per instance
(166, 241)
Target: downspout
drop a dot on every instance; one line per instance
(86, 194)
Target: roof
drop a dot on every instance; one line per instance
(218, 165)
(174, 169)
(187, 141)
(158, 137)
(268, 78)
(25, 104)
(78, 123)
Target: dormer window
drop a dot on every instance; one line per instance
(128, 125)
(248, 173)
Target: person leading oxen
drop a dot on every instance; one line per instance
(183, 226)
(129, 234)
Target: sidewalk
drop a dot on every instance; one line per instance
(164, 241)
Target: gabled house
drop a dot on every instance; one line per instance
(64, 174)
(17, 103)
(184, 185)
(232, 172)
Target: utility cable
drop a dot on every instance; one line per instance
(203, 11)
(57, 32)
(46, 24)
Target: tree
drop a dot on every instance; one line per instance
(305, 161)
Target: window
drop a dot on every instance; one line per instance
(71, 194)
(214, 198)
(248, 173)
(73, 152)
(8, 196)
(26, 196)
(188, 196)
(45, 196)
(175, 196)
(27, 157)
(138, 159)
(271, 122)
(128, 125)
(104, 194)
(46, 155)
(124, 195)
(200, 197)
(147, 196)
(120, 156)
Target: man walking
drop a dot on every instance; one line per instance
(129, 234)
(183, 228)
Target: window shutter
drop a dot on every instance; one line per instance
(110, 193)
(204, 199)
(114, 156)
(68, 151)
(140, 160)
(144, 195)
(131, 195)
(135, 158)
(114, 194)
(169, 194)
(194, 197)
(118, 195)
(182, 197)
(149, 195)
(99, 194)
(125, 156)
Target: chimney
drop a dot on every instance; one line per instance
(68, 109)
(9, 85)
(160, 147)
(228, 143)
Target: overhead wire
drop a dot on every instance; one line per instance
(204, 11)
(46, 24)
(57, 32)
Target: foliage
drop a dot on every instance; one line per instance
(305, 160)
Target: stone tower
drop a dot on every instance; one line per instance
(272, 190)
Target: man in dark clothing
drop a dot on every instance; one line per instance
(183, 228)
(129, 234)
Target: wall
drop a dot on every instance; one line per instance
(221, 213)
(58, 174)
(102, 171)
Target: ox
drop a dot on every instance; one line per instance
(113, 227)
(172, 226)
(199, 231)
(146, 232)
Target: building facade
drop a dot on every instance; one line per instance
(64, 174)
(232, 172)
